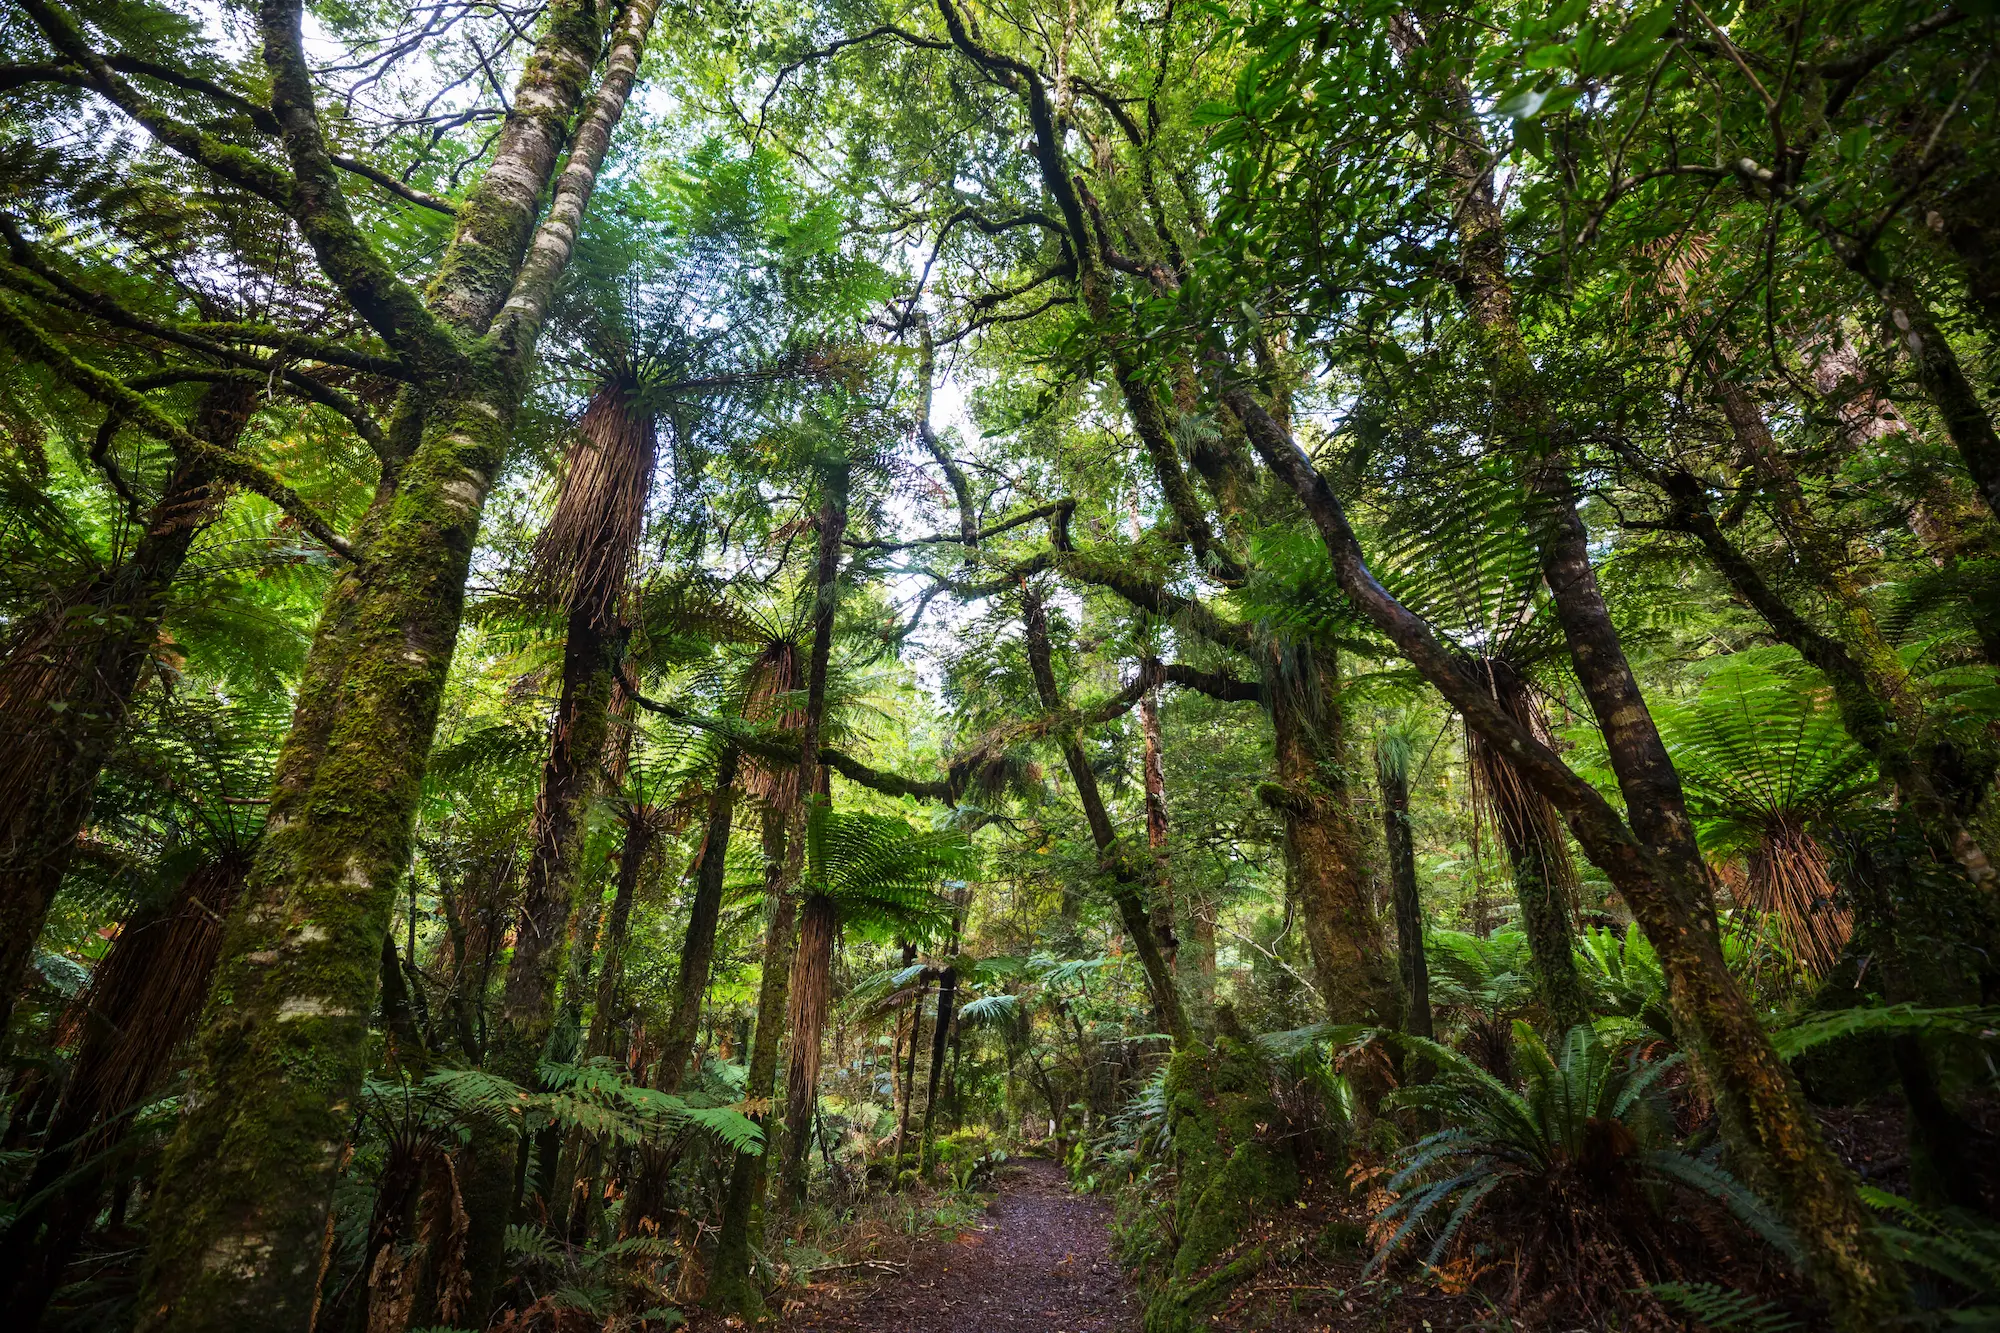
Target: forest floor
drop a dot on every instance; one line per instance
(1040, 1260)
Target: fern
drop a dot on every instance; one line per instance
(1962, 1249)
(1964, 1023)
(1720, 1309)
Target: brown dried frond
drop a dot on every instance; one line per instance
(1676, 261)
(446, 1226)
(776, 677)
(1523, 815)
(144, 998)
(1788, 879)
(583, 557)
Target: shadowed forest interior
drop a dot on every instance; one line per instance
(935, 664)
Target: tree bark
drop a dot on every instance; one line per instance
(698, 950)
(819, 923)
(140, 1007)
(1764, 1113)
(1392, 775)
(1323, 839)
(1532, 833)
(237, 1221)
(910, 1068)
(730, 1284)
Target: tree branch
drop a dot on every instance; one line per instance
(30, 339)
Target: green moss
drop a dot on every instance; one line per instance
(1219, 1113)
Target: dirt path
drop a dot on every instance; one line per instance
(1040, 1261)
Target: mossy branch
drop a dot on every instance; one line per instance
(30, 339)
(239, 166)
(391, 306)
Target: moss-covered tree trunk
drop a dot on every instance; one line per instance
(67, 681)
(1230, 1173)
(1323, 839)
(732, 1284)
(542, 928)
(237, 1221)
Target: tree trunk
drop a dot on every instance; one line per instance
(604, 1018)
(1764, 1115)
(698, 951)
(65, 689)
(1128, 882)
(1936, 364)
(941, 1038)
(811, 991)
(910, 1068)
(237, 1221)
(731, 1285)
(1323, 839)
(1154, 767)
(820, 920)
(1392, 774)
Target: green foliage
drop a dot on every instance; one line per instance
(1961, 1250)
(1966, 1023)
(1584, 1120)
(1719, 1308)
(594, 1097)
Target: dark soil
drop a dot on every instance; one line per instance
(1041, 1260)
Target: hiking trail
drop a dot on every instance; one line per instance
(1040, 1260)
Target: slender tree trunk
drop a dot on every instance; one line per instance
(604, 1018)
(819, 924)
(1128, 882)
(731, 1284)
(910, 1068)
(1966, 420)
(541, 937)
(942, 1035)
(1154, 766)
(66, 687)
(811, 993)
(1394, 778)
(698, 951)
(236, 1224)
(542, 930)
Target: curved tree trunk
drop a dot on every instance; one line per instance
(65, 689)
(1128, 882)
